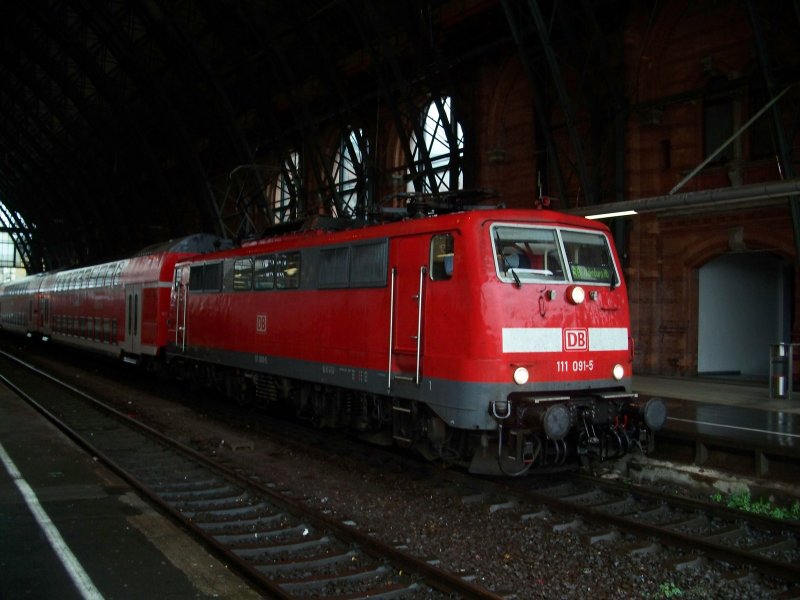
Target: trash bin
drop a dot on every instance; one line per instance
(780, 371)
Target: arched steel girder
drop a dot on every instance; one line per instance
(326, 70)
(519, 22)
(63, 162)
(304, 125)
(236, 33)
(364, 172)
(439, 81)
(99, 133)
(296, 136)
(393, 85)
(275, 77)
(148, 83)
(20, 181)
(111, 93)
(323, 69)
(17, 178)
(21, 237)
(175, 37)
(564, 100)
(279, 70)
(602, 82)
(26, 150)
(540, 111)
(194, 69)
(783, 148)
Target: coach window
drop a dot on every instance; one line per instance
(287, 271)
(212, 277)
(264, 274)
(108, 274)
(441, 260)
(196, 278)
(117, 274)
(243, 274)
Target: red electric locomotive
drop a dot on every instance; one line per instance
(499, 337)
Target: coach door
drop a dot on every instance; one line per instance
(408, 277)
(133, 318)
(181, 295)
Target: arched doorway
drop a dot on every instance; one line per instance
(745, 302)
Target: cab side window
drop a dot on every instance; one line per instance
(442, 256)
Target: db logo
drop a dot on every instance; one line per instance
(576, 339)
(261, 323)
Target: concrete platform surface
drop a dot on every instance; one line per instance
(70, 528)
(742, 413)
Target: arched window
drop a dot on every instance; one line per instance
(438, 156)
(350, 174)
(14, 244)
(286, 191)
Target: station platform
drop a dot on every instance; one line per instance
(70, 528)
(737, 420)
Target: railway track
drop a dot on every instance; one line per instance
(603, 510)
(683, 535)
(283, 548)
(703, 530)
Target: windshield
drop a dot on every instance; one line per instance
(589, 257)
(528, 254)
(538, 254)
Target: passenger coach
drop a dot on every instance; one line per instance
(118, 308)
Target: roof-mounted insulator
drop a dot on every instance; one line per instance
(426, 204)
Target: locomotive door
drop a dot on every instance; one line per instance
(133, 318)
(181, 291)
(408, 261)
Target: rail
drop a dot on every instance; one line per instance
(281, 546)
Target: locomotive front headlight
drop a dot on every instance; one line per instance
(521, 375)
(619, 372)
(576, 294)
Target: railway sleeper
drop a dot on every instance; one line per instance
(251, 537)
(315, 582)
(286, 548)
(305, 563)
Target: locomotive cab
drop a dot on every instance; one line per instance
(559, 310)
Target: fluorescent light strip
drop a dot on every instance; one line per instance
(622, 213)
